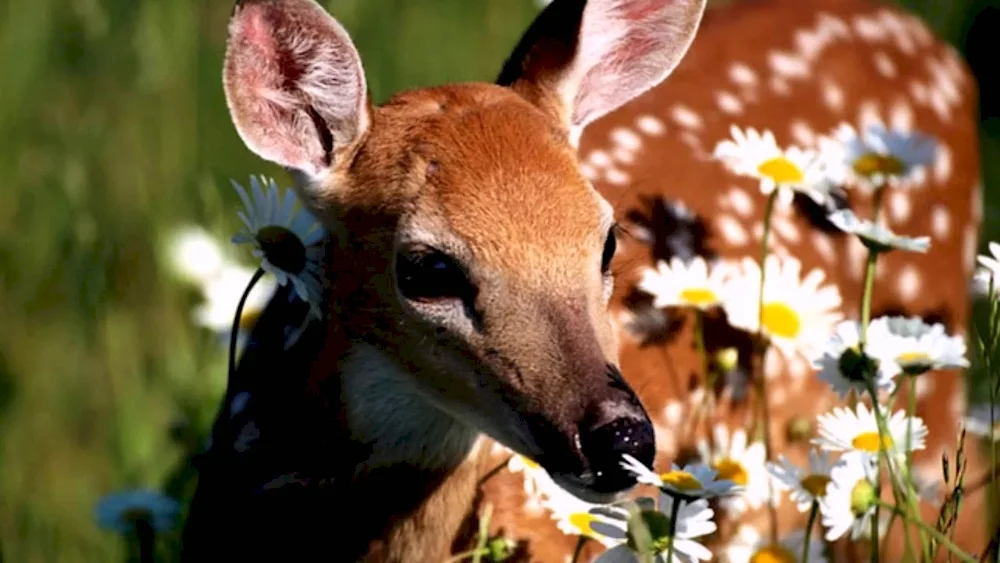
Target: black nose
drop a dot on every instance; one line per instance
(604, 444)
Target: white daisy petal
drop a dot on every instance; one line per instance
(876, 236)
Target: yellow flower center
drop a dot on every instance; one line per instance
(773, 554)
(732, 470)
(873, 163)
(917, 357)
(869, 442)
(815, 484)
(529, 464)
(699, 296)
(681, 480)
(780, 320)
(781, 171)
(582, 521)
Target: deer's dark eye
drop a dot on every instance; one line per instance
(429, 275)
(610, 245)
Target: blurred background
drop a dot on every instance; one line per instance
(114, 132)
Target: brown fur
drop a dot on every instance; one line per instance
(493, 176)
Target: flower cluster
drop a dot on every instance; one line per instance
(864, 361)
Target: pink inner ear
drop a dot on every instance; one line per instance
(626, 48)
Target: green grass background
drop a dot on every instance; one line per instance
(113, 130)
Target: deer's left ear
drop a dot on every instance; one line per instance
(582, 59)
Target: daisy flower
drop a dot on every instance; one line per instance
(876, 238)
(804, 487)
(693, 481)
(740, 463)
(121, 511)
(285, 236)
(843, 430)
(797, 313)
(841, 363)
(977, 420)
(684, 285)
(989, 269)
(850, 499)
(749, 546)
(576, 517)
(914, 347)
(880, 156)
(757, 155)
(694, 519)
(221, 296)
(194, 255)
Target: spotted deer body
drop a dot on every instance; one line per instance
(378, 434)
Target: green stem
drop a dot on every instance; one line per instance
(875, 550)
(674, 510)
(866, 300)
(760, 350)
(809, 528)
(236, 324)
(466, 554)
(911, 409)
(484, 534)
(938, 536)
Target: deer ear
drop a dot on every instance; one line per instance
(582, 59)
(294, 84)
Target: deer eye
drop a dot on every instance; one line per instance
(429, 275)
(610, 246)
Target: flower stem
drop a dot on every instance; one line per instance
(938, 536)
(760, 350)
(809, 528)
(866, 300)
(674, 511)
(236, 323)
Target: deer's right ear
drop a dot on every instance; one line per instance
(294, 84)
(582, 59)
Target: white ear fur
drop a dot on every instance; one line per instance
(294, 84)
(595, 56)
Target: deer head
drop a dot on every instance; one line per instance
(472, 258)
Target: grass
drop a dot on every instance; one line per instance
(114, 129)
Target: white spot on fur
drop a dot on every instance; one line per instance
(969, 244)
(788, 65)
(742, 74)
(780, 86)
(908, 283)
(823, 246)
(868, 28)
(623, 155)
(901, 116)
(939, 103)
(625, 138)
(616, 177)
(868, 114)
(942, 164)
(728, 103)
(732, 231)
(884, 64)
(685, 117)
(924, 386)
(786, 228)
(739, 201)
(919, 92)
(833, 95)
(802, 133)
(598, 159)
(857, 255)
(900, 206)
(773, 363)
(239, 403)
(940, 222)
(651, 125)
(588, 171)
